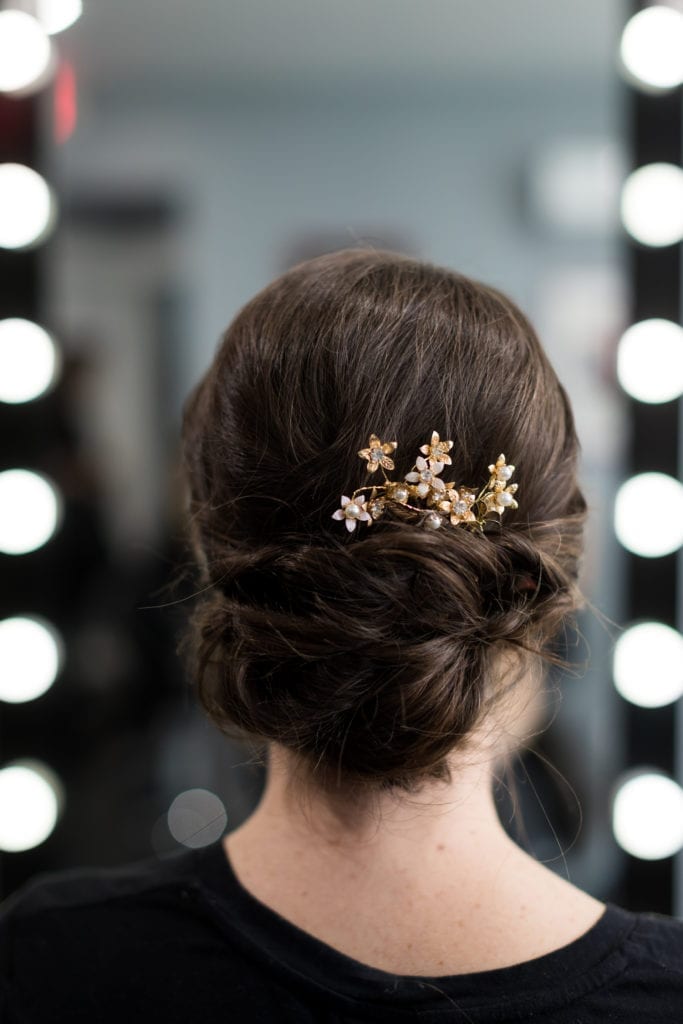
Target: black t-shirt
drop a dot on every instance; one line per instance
(179, 939)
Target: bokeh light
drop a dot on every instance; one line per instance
(27, 207)
(56, 15)
(25, 51)
(650, 360)
(31, 799)
(652, 47)
(647, 815)
(652, 204)
(29, 360)
(196, 818)
(648, 514)
(648, 664)
(31, 655)
(30, 511)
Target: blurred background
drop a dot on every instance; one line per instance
(159, 163)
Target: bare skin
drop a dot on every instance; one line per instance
(435, 886)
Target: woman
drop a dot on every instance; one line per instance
(377, 602)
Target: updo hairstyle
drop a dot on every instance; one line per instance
(370, 655)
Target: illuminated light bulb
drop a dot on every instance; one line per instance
(31, 799)
(648, 514)
(650, 361)
(56, 15)
(25, 52)
(648, 665)
(30, 511)
(652, 204)
(27, 207)
(196, 818)
(29, 360)
(652, 47)
(647, 815)
(31, 654)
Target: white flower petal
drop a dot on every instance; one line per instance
(412, 478)
(344, 501)
(350, 525)
(339, 514)
(436, 467)
(421, 463)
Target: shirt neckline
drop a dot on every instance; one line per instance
(552, 979)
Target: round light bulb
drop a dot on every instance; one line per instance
(27, 207)
(648, 514)
(652, 204)
(648, 665)
(30, 803)
(30, 511)
(31, 653)
(652, 47)
(650, 361)
(29, 360)
(647, 815)
(25, 51)
(56, 15)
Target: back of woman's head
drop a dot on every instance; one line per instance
(371, 655)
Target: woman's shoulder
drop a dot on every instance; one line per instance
(71, 910)
(657, 939)
(649, 984)
(67, 888)
(88, 944)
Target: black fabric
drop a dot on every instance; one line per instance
(179, 939)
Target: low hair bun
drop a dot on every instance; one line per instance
(372, 659)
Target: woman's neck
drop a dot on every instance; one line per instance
(405, 835)
(435, 873)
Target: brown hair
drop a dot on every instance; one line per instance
(370, 654)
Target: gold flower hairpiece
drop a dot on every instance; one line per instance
(444, 501)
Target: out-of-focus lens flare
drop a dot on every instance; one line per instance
(652, 47)
(29, 361)
(65, 103)
(56, 15)
(31, 798)
(196, 818)
(27, 207)
(25, 51)
(650, 361)
(30, 511)
(648, 665)
(652, 204)
(648, 514)
(647, 815)
(31, 654)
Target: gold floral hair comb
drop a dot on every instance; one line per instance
(444, 502)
